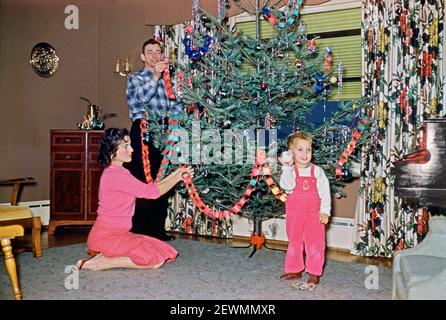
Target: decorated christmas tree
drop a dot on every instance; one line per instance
(243, 96)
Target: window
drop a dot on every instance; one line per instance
(339, 30)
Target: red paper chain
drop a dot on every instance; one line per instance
(261, 166)
(359, 131)
(167, 152)
(167, 82)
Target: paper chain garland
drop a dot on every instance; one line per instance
(359, 131)
(167, 82)
(283, 21)
(260, 166)
(172, 138)
(173, 134)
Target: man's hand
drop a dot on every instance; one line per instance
(158, 70)
(323, 218)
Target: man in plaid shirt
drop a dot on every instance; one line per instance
(146, 93)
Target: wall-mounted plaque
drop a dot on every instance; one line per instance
(44, 59)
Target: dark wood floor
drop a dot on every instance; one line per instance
(73, 235)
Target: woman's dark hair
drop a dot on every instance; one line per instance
(110, 141)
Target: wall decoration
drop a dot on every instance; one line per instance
(44, 59)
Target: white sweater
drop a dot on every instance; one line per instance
(288, 183)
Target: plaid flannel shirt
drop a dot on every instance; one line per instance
(145, 94)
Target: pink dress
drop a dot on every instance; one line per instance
(110, 234)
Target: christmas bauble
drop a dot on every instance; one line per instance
(298, 63)
(226, 123)
(146, 139)
(333, 80)
(319, 88)
(263, 85)
(346, 174)
(311, 46)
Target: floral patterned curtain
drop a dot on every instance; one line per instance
(402, 69)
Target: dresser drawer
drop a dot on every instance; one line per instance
(94, 140)
(66, 140)
(68, 157)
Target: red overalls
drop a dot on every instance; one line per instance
(303, 227)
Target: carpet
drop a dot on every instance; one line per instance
(202, 271)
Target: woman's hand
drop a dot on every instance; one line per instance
(189, 170)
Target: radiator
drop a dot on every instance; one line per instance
(339, 233)
(38, 208)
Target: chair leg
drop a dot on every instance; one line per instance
(11, 267)
(37, 247)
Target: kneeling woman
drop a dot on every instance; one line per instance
(110, 237)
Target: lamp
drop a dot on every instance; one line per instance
(122, 69)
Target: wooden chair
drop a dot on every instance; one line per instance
(6, 234)
(21, 215)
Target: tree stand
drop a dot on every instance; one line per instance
(257, 238)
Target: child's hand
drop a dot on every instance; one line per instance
(286, 158)
(323, 218)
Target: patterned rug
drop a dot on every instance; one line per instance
(202, 271)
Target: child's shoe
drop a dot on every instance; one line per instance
(291, 275)
(313, 279)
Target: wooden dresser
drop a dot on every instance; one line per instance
(75, 174)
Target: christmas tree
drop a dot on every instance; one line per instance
(242, 93)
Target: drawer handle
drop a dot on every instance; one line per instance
(67, 157)
(67, 140)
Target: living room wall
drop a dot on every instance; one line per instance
(32, 105)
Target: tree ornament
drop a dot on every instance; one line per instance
(319, 86)
(269, 121)
(333, 80)
(346, 174)
(193, 52)
(204, 173)
(171, 68)
(263, 85)
(227, 124)
(311, 46)
(340, 75)
(302, 35)
(280, 54)
(146, 138)
(298, 64)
